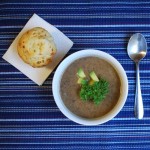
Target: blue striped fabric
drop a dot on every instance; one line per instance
(29, 117)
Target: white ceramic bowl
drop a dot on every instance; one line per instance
(57, 79)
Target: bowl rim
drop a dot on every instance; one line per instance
(58, 76)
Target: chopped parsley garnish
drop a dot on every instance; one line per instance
(96, 91)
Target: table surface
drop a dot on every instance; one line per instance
(29, 117)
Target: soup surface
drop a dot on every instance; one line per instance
(70, 89)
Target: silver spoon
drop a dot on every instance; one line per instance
(137, 49)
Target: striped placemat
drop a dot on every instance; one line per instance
(29, 117)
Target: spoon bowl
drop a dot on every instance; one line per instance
(137, 49)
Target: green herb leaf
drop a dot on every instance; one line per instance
(96, 92)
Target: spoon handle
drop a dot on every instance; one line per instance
(138, 105)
